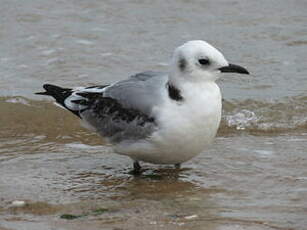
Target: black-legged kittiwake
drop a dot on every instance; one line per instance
(161, 118)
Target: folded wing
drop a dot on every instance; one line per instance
(122, 111)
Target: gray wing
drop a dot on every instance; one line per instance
(141, 91)
(122, 111)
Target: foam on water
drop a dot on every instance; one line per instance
(283, 115)
(242, 119)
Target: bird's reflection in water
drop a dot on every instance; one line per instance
(153, 184)
(165, 192)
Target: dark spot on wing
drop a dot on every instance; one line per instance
(80, 102)
(96, 86)
(182, 63)
(87, 100)
(90, 95)
(174, 93)
(112, 120)
(107, 107)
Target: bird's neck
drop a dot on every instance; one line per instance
(182, 90)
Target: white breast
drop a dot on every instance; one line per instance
(186, 128)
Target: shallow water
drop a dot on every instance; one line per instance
(254, 177)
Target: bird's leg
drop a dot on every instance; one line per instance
(136, 168)
(177, 166)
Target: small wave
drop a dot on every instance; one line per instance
(17, 100)
(284, 115)
(21, 116)
(242, 119)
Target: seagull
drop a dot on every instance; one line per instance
(155, 117)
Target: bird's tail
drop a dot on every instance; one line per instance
(59, 94)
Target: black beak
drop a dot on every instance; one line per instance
(231, 68)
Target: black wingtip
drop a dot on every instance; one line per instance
(51, 90)
(49, 87)
(41, 93)
(59, 94)
(46, 87)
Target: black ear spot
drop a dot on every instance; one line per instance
(204, 61)
(182, 64)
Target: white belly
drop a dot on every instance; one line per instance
(185, 129)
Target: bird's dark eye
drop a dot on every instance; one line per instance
(204, 61)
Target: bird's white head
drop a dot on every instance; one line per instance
(199, 61)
